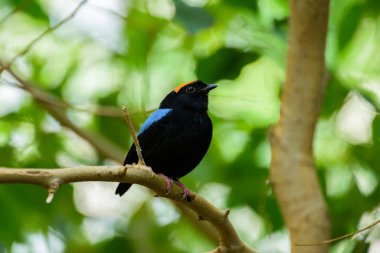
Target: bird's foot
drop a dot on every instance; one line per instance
(169, 183)
(186, 192)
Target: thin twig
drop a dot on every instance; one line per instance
(47, 31)
(100, 110)
(229, 241)
(133, 133)
(19, 7)
(340, 237)
(112, 12)
(101, 144)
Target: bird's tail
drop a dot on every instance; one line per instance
(122, 188)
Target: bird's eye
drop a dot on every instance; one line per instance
(190, 89)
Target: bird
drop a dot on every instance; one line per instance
(175, 138)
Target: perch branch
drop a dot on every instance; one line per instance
(229, 241)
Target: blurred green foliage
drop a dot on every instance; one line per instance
(116, 53)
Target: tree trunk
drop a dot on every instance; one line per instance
(293, 172)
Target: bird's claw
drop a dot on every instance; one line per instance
(169, 183)
(186, 192)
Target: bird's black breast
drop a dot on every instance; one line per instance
(175, 144)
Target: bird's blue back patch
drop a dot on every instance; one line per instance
(156, 116)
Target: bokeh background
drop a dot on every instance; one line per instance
(133, 52)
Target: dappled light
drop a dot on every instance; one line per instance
(67, 67)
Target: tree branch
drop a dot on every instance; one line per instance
(100, 110)
(19, 7)
(229, 241)
(293, 172)
(45, 99)
(47, 31)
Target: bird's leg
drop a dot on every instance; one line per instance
(169, 183)
(186, 192)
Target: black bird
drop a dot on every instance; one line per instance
(175, 138)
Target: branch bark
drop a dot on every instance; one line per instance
(229, 241)
(293, 172)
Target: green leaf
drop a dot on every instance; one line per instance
(334, 98)
(141, 30)
(349, 24)
(371, 97)
(116, 244)
(193, 19)
(115, 129)
(226, 63)
(251, 5)
(49, 144)
(32, 8)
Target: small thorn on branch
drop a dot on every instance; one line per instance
(133, 133)
(53, 187)
(123, 170)
(50, 197)
(3, 67)
(217, 250)
(226, 213)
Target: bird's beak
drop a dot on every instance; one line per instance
(208, 88)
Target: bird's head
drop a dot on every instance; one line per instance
(192, 95)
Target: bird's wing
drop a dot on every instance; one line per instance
(149, 135)
(156, 116)
(156, 140)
